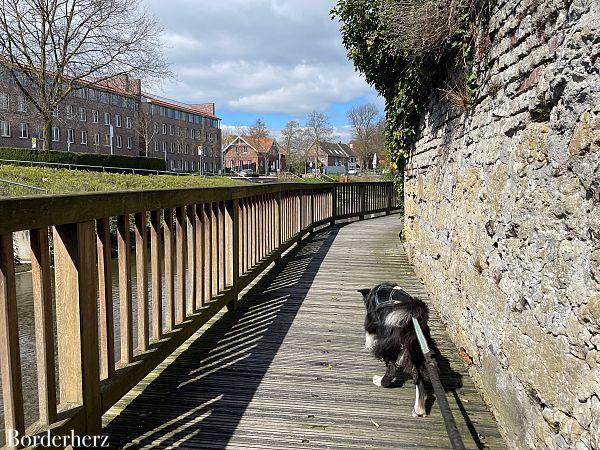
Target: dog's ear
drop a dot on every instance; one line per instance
(364, 292)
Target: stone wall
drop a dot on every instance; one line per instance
(503, 221)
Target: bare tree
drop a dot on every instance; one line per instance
(366, 131)
(319, 129)
(259, 132)
(51, 48)
(146, 129)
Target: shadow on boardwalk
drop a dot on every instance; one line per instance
(289, 370)
(199, 399)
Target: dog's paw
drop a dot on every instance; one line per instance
(377, 380)
(419, 413)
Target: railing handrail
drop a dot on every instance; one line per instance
(27, 212)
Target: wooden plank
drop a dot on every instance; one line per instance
(44, 331)
(125, 306)
(10, 360)
(221, 247)
(141, 252)
(215, 243)
(107, 329)
(169, 270)
(180, 281)
(156, 271)
(208, 253)
(191, 260)
(199, 252)
(75, 262)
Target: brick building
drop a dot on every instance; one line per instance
(187, 136)
(332, 154)
(257, 154)
(107, 118)
(93, 119)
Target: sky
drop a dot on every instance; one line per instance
(271, 59)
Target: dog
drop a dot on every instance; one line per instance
(391, 337)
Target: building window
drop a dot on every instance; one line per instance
(55, 134)
(156, 146)
(4, 128)
(179, 131)
(193, 132)
(55, 112)
(4, 100)
(172, 147)
(107, 140)
(193, 166)
(70, 136)
(245, 150)
(156, 128)
(106, 118)
(171, 130)
(22, 104)
(179, 148)
(118, 120)
(97, 139)
(172, 164)
(82, 114)
(119, 142)
(164, 128)
(129, 142)
(164, 146)
(187, 165)
(128, 122)
(24, 131)
(84, 137)
(69, 112)
(95, 115)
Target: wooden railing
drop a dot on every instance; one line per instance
(203, 245)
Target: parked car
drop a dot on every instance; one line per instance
(353, 172)
(248, 173)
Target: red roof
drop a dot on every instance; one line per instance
(194, 109)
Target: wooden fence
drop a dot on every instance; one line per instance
(203, 246)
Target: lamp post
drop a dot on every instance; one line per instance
(200, 153)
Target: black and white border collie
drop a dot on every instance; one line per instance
(391, 337)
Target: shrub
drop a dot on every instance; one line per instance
(86, 159)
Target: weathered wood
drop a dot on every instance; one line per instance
(76, 283)
(208, 254)
(221, 246)
(156, 270)
(180, 281)
(107, 333)
(125, 306)
(141, 246)
(199, 252)
(169, 270)
(191, 260)
(10, 360)
(44, 333)
(215, 243)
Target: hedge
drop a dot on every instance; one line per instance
(85, 159)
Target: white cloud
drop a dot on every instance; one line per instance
(258, 56)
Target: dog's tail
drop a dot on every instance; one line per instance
(405, 308)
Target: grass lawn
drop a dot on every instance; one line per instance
(61, 181)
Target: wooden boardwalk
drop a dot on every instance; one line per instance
(288, 368)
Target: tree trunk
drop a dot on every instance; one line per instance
(47, 142)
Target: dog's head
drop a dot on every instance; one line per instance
(381, 293)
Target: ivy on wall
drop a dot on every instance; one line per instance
(404, 75)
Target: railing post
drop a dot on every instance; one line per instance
(390, 192)
(233, 207)
(362, 193)
(333, 204)
(10, 360)
(77, 319)
(312, 211)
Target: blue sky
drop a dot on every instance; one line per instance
(273, 59)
